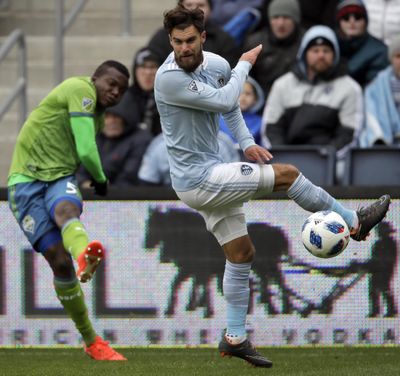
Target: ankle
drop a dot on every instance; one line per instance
(234, 339)
(354, 225)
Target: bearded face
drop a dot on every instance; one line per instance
(188, 47)
(319, 59)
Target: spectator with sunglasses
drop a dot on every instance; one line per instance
(364, 54)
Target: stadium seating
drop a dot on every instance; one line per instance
(317, 163)
(94, 36)
(375, 166)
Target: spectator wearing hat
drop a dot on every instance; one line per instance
(140, 95)
(382, 104)
(121, 145)
(217, 41)
(315, 12)
(316, 103)
(280, 40)
(364, 54)
(383, 19)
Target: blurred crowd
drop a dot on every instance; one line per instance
(328, 74)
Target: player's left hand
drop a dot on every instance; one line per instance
(100, 188)
(256, 153)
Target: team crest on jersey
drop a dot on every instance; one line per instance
(28, 224)
(221, 82)
(87, 104)
(246, 169)
(193, 87)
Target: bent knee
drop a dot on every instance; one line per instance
(64, 211)
(285, 175)
(240, 250)
(246, 255)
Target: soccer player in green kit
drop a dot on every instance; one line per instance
(43, 194)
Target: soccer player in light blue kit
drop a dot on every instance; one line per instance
(192, 89)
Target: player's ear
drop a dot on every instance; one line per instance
(170, 39)
(203, 36)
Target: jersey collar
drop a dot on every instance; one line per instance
(203, 65)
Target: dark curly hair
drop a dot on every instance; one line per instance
(181, 18)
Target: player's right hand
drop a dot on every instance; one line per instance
(251, 55)
(100, 189)
(256, 153)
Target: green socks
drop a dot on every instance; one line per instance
(75, 237)
(71, 297)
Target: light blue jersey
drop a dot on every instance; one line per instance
(155, 167)
(189, 105)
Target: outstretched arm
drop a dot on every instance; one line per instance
(177, 87)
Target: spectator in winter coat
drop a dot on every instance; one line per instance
(316, 103)
(218, 41)
(121, 146)
(364, 54)
(280, 40)
(140, 95)
(383, 19)
(382, 104)
(251, 100)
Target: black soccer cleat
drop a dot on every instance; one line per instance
(370, 216)
(245, 351)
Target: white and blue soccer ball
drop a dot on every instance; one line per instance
(325, 234)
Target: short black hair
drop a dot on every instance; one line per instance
(103, 67)
(181, 18)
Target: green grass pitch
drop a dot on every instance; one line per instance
(288, 361)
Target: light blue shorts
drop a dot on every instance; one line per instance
(220, 197)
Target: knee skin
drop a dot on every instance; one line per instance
(240, 250)
(64, 211)
(285, 175)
